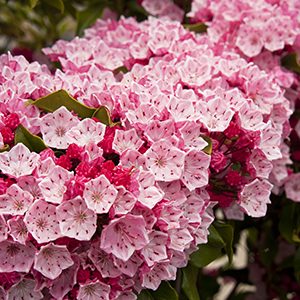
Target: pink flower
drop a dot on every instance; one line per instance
(255, 196)
(123, 236)
(165, 161)
(76, 220)
(55, 126)
(292, 187)
(51, 260)
(94, 291)
(24, 289)
(19, 161)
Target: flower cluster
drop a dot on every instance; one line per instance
(117, 198)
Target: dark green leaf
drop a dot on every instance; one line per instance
(31, 141)
(103, 115)
(52, 102)
(88, 17)
(205, 255)
(189, 282)
(198, 27)
(208, 148)
(214, 238)
(291, 62)
(226, 232)
(297, 264)
(286, 222)
(165, 292)
(33, 3)
(58, 4)
(145, 295)
(122, 69)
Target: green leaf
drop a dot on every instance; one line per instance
(286, 222)
(33, 3)
(144, 295)
(205, 255)
(297, 264)
(58, 4)
(103, 115)
(52, 102)
(88, 17)
(122, 69)
(189, 282)
(226, 232)
(198, 27)
(220, 239)
(291, 62)
(165, 292)
(5, 148)
(31, 141)
(208, 148)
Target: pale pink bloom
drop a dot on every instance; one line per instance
(123, 236)
(180, 239)
(52, 259)
(254, 197)
(250, 118)
(53, 186)
(124, 202)
(270, 142)
(94, 291)
(195, 173)
(19, 161)
(171, 215)
(139, 49)
(125, 140)
(156, 250)
(44, 167)
(249, 41)
(292, 187)
(125, 296)
(15, 201)
(99, 194)
(165, 161)
(191, 134)
(92, 151)
(103, 261)
(55, 126)
(30, 184)
(152, 278)
(41, 221)
(65, 281)
(157, 130)
(234, 212)
(149, 194)
(129, 267)
(24, 289)
(195, 72)
(215, 114)
(261, 164)
(76, 220)
(132, 158)
(16, 257)
(18, 230)
(3, 229)
(181, 110)
(85, 132)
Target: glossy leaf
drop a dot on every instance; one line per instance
(208, 148)
(189, 282)
(88, 17)
(103, 115)
(33, 3)
(226, 233)
(291, 62)
(58, 4)
(286, 222)
(145, 295)
(52, 102)
(198, 27)
(297, 264)
(205, 255)
(165, 292)
(32, 142)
